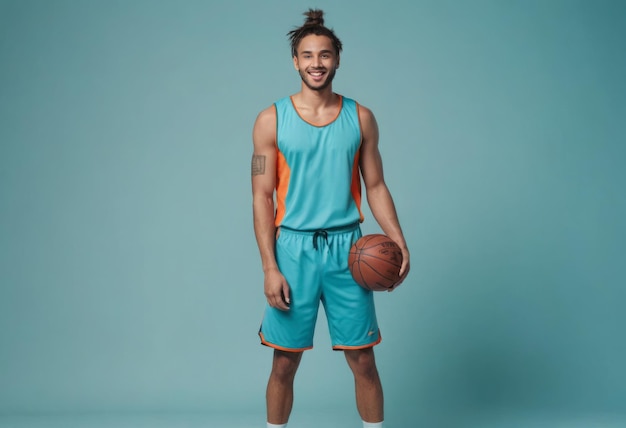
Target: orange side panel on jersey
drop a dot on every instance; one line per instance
(355, 187)
(282, 186)
(356, 175)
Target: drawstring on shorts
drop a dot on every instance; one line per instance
(319, 234)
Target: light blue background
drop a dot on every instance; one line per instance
(130, 281)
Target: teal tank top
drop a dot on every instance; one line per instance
(318, 184)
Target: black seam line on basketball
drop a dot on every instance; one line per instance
(383, 245)
(358, 251)
(358, 265)
(369, 285)
(378, 258)
(368, 239)
(379, 273)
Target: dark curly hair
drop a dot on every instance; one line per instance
(314, 24)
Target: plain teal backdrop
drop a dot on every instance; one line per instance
(130, 280)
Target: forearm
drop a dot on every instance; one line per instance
(265, 230)
(384, 211)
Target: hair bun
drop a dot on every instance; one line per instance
(314, 17)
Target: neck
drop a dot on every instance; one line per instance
(316, 99)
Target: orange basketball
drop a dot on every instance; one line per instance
(375, 262)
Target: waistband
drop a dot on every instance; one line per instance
(330, 230)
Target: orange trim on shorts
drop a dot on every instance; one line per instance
(354, 348)
(281, 348)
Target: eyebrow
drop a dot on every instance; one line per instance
(322, 51)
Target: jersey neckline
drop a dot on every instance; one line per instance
(315, 124)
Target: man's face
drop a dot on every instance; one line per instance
(316, 61)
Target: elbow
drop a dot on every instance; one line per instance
(262, 203)
(375, 189)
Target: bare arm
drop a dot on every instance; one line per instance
(378, 195)
(263, 170)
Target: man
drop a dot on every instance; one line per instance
(309, 152)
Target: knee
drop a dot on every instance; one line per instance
(362, 363)
(285, 366)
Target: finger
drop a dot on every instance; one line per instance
(277, 301)
(407, 269)
(286, 294)
(402, 269)
(281, 305)
(405, 264)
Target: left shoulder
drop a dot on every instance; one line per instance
(365, 114)
(361, 109)
(367, 120)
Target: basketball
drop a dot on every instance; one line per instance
(375, 262)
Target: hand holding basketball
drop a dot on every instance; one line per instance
(375, 262)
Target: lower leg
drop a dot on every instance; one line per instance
(369, 391)
(279, 394)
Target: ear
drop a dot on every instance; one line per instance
(295, 63)
(338, 61)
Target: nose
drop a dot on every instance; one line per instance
(317, 61)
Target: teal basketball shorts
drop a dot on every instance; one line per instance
(315, 265)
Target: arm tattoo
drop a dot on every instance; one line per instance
(258, 164)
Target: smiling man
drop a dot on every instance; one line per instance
(310, 151)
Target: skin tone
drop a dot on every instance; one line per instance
(316, 62)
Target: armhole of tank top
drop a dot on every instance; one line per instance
(358, 116)
(276, 125)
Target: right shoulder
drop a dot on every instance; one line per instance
(264, 132)
(266, 116)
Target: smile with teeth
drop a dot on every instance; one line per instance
(316, 73)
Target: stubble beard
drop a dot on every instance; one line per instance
(329, 79)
